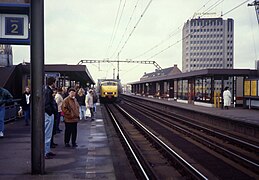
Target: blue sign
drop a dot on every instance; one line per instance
(14, 26)
(14, 23)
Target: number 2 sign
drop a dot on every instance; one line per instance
(14, 26)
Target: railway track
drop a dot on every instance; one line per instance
(243, 155)
(151, 157)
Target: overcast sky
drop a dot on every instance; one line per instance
(86, 29)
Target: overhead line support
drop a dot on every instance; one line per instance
(121, 61)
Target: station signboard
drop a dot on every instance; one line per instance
(253, 88)
(14, 22)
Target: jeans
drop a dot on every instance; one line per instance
(2, 115)
(82, 110)
(49, 122)
(94, 108)
(58, 121)
(27, 116)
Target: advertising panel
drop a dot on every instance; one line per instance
(253, 88)
(247, 88)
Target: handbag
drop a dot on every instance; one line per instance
(87, 112)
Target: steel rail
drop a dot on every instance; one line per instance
(128, 145)
(192, 170)
(186, 120)
(248, 162)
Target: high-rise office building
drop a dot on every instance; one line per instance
(6, 55)
(207, 43)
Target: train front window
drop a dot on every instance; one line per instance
(109, 84)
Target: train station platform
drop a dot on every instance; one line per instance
(92, 159)
(249, 116)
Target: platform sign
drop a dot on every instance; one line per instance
(14, 24)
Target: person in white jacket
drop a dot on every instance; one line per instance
(59, 99)
(227, 97)
(89, 103)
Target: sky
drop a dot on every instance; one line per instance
(137, 30)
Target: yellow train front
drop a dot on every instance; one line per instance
(109, 91)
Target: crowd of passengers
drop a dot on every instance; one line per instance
(69, 105)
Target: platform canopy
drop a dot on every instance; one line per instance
(78, 73)
(202, 73)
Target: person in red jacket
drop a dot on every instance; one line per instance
(70, 107)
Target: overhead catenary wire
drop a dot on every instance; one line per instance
(213, 6)
(120, 19)
(180, 40)
(160, 43)
(134, 28)
(113, 31)
(202, 6)
(175, 32)
(234, 8)
(130, 20)
(163, 41)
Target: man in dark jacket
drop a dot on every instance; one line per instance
(26, 101)
(50, 109)
(5, 97)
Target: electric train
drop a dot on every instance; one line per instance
(109, 90)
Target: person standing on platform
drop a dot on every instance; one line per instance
(227, 98)
(59, 100)
(95, 100)
(5, 97)
(70, 107)
(50, 109)
(64, 92)
(54, 130)
(80, 97)
(89, 103)
(25, 103)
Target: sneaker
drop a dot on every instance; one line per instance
(48, 156)
(67, 145)
(51, 154)
(1, 134)
(75, 145)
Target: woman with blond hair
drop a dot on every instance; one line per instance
(80, 97)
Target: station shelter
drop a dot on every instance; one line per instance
(203, 87)
(16, 77)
